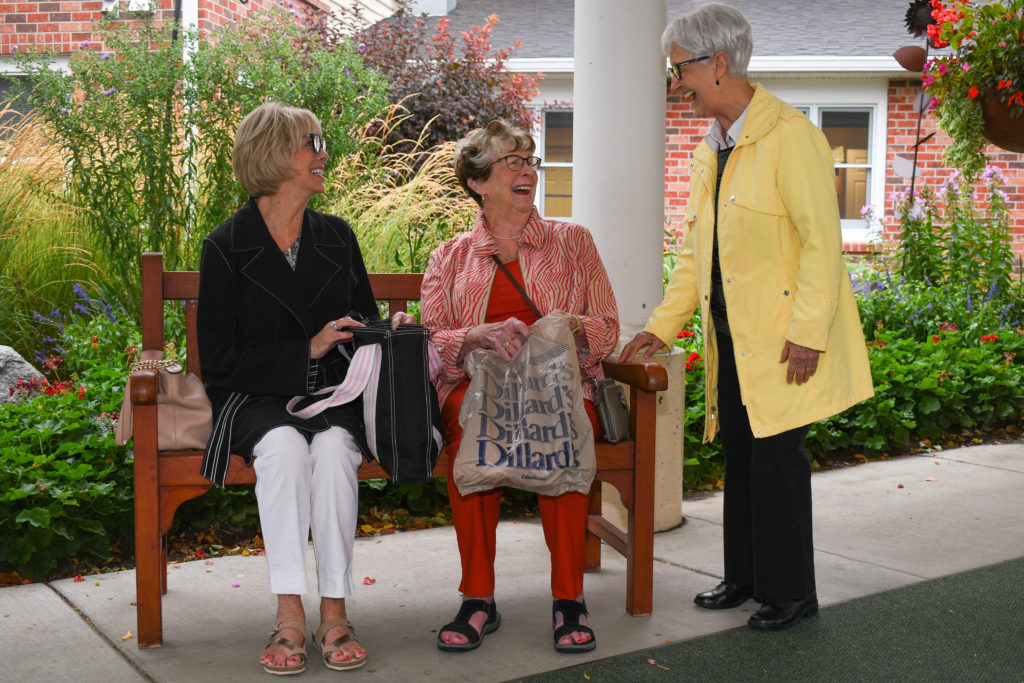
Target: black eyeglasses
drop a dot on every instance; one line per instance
(317, 142)
(515, 162)
(677, 69)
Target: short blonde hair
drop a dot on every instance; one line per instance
(475, 153)
(265, 144)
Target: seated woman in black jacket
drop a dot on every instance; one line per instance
(277, 284)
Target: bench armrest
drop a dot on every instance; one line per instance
(643, 376)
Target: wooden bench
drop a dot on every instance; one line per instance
(165, 479)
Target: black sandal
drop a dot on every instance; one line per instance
(462, 627)
(571, 613)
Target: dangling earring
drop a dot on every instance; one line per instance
(717, 82)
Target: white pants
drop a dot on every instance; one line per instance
(300, 486)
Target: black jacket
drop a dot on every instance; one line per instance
(255, 320)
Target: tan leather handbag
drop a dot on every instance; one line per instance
(184, 415)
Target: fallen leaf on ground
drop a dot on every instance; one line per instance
(78, 578)
(368, 581)
(929, 478)
(127, 636)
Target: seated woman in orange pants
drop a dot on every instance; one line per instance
(468, 303)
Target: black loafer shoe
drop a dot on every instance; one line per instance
(776, 615)
(724, 596)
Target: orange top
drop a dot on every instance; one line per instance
(505, 301)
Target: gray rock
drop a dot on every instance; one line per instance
(12, 368)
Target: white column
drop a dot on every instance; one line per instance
(618, 184)
(618, 192)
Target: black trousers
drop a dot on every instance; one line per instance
(767, 518)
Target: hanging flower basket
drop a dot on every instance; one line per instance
(977, 87)
(1002, 129)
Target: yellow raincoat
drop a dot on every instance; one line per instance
(780, 251)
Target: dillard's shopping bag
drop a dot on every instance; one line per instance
(524, 423)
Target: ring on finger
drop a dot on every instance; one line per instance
(334, 325)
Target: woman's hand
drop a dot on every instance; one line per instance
(640, 341)
(575, 325)
(506, 338)
(402, 318)
(333, 334)
(803, 362)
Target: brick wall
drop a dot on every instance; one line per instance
(931, 167)
(64, 25)
(683, 133)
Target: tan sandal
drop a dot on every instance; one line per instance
(335, 646)
(293, 649)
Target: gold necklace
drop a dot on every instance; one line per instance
(503, 238)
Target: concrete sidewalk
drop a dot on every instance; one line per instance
(956, 510)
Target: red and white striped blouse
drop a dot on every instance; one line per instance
(561, 268)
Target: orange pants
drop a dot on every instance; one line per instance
(475, 518)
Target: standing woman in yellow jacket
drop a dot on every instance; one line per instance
(783, 345)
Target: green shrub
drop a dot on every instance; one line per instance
(65, 487)
(147, 135)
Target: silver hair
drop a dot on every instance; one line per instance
(710, 28)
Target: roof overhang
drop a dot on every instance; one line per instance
(759, 66)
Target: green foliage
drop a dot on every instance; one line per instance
(66, 487)
(42, 251)
(945, 384)
(448, 84)
(402, 200)
(147, 134)
(954, 237)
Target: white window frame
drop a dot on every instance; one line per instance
(852, 94)
(540, 137)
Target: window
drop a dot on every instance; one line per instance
(556, 169)
(853, 119)
(10, 113)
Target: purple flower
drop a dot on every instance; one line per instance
(362, 47)
(84, 44)
(347, 72)
(109, 312)
(106, 55)
(110, 90)
(79, 308)
(80, 292)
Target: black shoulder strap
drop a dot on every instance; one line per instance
(519, 288)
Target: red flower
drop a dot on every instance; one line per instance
(989, 338)
(973, 92)
(691, 359)
(936, 339)
(684, 334)
(948, 327)
(81, 392)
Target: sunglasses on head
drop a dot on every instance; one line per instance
(317, 142)
(677, 69)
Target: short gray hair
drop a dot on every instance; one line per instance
(265, 144)
(475, 153)
(711, 28)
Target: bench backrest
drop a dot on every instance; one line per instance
(397, 289)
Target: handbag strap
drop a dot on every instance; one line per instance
(519, 287)
(365, 363)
